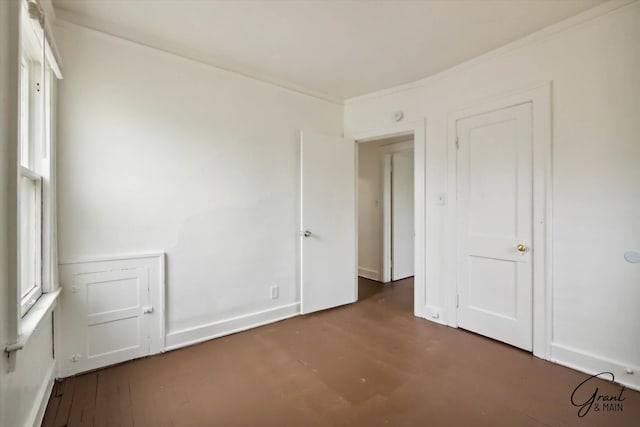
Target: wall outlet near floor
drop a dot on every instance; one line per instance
(275, 292)
(433, 312)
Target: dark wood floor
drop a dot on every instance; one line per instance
(368, 364)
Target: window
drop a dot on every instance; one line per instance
(30, 239)
(33, 164)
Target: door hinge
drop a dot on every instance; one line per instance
(457, 301)
(457, 143)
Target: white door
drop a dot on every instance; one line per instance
(111, 311)
(494, 178)
(328, 246)
(402, 233)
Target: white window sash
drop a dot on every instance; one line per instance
(39, 23)
(27, 301)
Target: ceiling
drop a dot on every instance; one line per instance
(332, 49)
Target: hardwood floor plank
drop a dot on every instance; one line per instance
(51, 411)
(367, 364)
(66, 393)
(113, 405)
(83, 408)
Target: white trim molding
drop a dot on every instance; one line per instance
(539, 95)
(625, 373)
(159, 255)
(42, 397)
(369, 273)
(68, 19)
(45, 305)
(103, 258)
(569, 24)
(148, 268)
(189, 336)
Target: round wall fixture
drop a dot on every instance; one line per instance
(632, 257)
(398, 115)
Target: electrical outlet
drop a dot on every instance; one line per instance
(433, 312)
(275, 292)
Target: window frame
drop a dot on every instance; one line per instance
(33, 162)
(28, 299)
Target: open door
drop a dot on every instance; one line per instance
(328, 221)
(402, 223)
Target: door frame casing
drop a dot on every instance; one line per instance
(540, 98)
(416, 128)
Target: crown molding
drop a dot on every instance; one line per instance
(68, 19)
(554, 30)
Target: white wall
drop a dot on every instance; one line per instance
(29, 382)
(594, 67)
(25, 379)
(160, 153)
(8, 12)
(369, 211)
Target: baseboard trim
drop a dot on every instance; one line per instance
(42, 398)
(592, 364)
(190, 336)
(368, 273)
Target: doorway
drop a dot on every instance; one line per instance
(536, 122)
(328, 227)
(385, 211)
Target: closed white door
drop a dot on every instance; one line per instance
(402, 231)
(110, 312)
(494, 178)
(328, 209)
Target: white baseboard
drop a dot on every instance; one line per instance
(189, 336)
(593, 364)
(368, 273)
(42, 398)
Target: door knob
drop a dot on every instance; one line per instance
(521, 248)
(307, 233)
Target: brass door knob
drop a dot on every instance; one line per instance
(521, 248)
